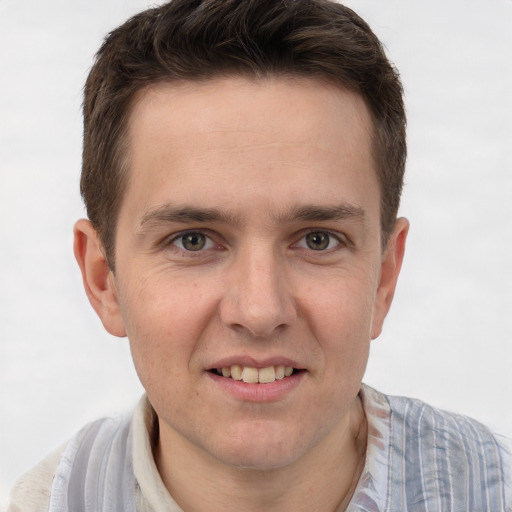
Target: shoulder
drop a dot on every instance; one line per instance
(439, 428)
(31, 493)
(89, 447)
(450, 455)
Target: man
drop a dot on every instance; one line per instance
(242, 169)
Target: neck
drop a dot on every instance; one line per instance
(323, 479)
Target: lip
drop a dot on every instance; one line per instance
(271, 392)
(255, 363)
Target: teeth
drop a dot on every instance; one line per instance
(253, 375)
(250, 375)
(236, 372)
(267, 375)
(280, 372)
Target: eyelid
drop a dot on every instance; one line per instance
(169, 241)
(341, 239)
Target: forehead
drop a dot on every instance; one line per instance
(306, 107)
(277, 137)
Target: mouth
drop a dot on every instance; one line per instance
(251, 375)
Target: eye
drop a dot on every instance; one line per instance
(319, 241)
(193, 241)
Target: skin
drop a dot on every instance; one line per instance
(250, 168)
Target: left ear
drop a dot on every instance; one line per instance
(389, 271)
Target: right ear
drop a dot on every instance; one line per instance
(97, 277)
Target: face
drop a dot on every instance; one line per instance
(248, 247)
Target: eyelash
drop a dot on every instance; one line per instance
(180, 236)
(336, 237)
(332, 237)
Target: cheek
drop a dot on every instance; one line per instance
(163, 322)
(341, 300)
(340, 316)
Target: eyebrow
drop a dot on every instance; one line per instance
(316, 213)
(303, 213)
(168, 213)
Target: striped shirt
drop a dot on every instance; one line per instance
(419, 459)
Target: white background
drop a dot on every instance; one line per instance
(448, 337)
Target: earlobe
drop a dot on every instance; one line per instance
(97, 277)
(389, 272)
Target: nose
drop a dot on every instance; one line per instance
(258, 300)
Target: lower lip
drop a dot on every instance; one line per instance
(270, 392)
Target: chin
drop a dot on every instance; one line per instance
(261, 459)
(261, 449)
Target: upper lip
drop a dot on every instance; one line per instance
(245, 360)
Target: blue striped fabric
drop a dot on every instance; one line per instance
(418, 459)
(421, 459)
(96, 471)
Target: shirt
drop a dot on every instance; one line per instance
(418, 459)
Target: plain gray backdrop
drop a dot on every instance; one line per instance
(448, 337)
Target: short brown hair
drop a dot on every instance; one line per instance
(203, 39)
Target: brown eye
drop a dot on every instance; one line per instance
(193, 241)
(318, 241)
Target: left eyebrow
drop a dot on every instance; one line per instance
(317, 213)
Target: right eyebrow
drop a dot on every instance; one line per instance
(184, 214)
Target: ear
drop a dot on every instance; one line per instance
(389, 271)
(97, 277)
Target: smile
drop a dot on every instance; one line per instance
(251, 375)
